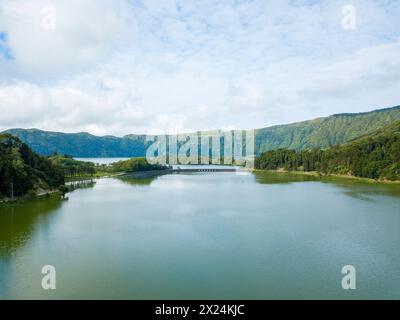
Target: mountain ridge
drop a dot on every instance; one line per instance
(273, 126)
(319, 132)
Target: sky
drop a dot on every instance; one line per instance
(116, 67)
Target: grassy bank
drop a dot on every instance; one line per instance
(33, 196)
(321, 175)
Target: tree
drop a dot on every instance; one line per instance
(63, 190)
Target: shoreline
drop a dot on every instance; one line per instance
(321, 175)
(98, 175)
(38, 196)
(156, 173)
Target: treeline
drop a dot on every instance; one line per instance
(134, 165)
(375, 156)
(73, 168)
(22, 170)
(76, 169)
(82, 169)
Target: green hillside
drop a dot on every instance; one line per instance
(81, 144)
(324, 132)
(375, 155)
(321, 132)
(22, 170)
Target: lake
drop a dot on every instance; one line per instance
(206, 236)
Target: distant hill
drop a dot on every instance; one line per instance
(375, 155)
(81, 144)
(321, 132)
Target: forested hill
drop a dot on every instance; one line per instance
(321, 132)
(22, 170)
(375, 156)
(81, 144)
(324, 132)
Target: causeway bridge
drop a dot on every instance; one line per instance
(193, 170)
(177, 170)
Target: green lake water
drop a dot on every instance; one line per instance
(206, 236)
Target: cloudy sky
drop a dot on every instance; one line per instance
(150, 66)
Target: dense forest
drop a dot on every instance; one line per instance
(22, 170)
(321, 132)
(375, 156)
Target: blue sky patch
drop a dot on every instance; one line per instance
(5, 51)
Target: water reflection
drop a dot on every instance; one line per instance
(268, 177)
(206, 236)
(355, 188)
(18, 221)
(133, 181)
(359, 188)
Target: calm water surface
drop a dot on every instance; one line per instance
(206, 236)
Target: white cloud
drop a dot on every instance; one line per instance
(124, 67)
(85, 34)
